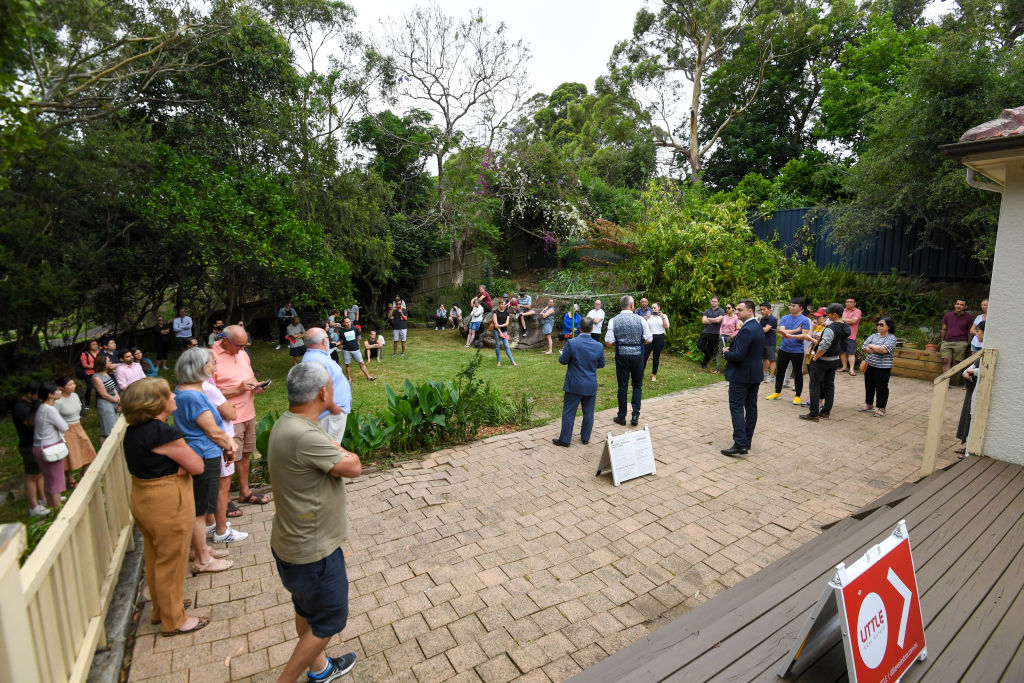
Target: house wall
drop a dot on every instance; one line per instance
(1003, 435)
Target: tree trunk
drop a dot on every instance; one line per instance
(458, 262)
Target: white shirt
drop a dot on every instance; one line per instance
(657, 324)
(477, 314)
(609, 336)
(597, 315)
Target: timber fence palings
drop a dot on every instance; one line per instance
(68, 580)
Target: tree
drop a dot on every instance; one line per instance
(470, 76)
(778, 126)
(966, 76)
(677, 49)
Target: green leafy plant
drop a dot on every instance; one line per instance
(366, 435)
(263, 428)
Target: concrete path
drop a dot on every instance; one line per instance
(508, 559)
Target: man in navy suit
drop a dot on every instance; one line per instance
(584, 355)
(743, 371)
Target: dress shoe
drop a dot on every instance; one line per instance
(809, 417)
(619, 420)
(559, 442)
(635, 421)
(584, 441)
(823, 416)
(735, 450)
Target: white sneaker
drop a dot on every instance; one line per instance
(212, 529)
(39, 511)
(277, 348)
(230, 536)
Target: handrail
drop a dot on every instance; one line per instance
(959, 367)
(68, 580)
(979, 420)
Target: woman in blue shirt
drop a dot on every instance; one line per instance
(203, 428)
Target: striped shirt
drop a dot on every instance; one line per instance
(880, 360)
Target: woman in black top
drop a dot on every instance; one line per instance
(161, 465)
(501, 317)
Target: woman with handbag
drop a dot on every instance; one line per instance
(108, 400)
(80, 449)
(48, 445)
(161, 463)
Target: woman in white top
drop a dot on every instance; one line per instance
(976, 339)
(80, 448)
(49, 430)
(476, 318)
(658, 322)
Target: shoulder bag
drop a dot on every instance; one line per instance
(55, 452)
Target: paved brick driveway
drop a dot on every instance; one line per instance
(508, 559)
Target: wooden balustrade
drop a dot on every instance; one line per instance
(936, 414)
(52, 617)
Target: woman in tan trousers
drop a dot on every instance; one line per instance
(162, 465)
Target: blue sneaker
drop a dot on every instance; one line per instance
(339, 667)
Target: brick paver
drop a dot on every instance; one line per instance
(508, 559)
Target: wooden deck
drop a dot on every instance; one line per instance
(967, 536)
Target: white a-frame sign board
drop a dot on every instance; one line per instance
(874, 608)
(628, 456)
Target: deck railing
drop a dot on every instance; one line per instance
(983, 395)
(52, 608)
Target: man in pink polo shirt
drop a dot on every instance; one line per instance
(848, 357)
(235, 379)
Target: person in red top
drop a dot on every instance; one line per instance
(485, 299)
(848, 356)
(86, 370)
(956, 330)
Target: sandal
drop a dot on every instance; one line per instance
(201, 622)
(233, 510)
(961, 451)
(254, 499)
(867, 410)
(186, 603)
(879, 413)
(213, 566)
(218, 553)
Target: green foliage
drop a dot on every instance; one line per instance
(263, 428)
(692, 248)
(431, 414)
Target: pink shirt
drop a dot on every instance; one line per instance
(854, 315)
(233, 370)
(730, 324)
(125, 374)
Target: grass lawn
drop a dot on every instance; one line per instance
(429, 356)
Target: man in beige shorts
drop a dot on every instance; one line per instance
(235, 378)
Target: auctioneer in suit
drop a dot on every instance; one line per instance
(744, 373)
(583, 356)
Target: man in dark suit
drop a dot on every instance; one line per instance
(584, 355)
(743, 371)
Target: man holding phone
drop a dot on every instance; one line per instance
(236, 380)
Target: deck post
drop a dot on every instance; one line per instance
(17, 651)
(935, 414)
(979, 420)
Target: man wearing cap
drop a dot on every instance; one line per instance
(825, 362)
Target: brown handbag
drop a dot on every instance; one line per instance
(863, 366)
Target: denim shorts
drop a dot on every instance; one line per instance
(319, 592)
(850, 346)
(475, 326)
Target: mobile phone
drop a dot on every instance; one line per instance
(264, 385)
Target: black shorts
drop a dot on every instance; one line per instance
(206, 486)
(29, 461)
(297, 350)
(769, 353)
(319, 592)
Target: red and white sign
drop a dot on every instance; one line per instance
(876, 605)
(883, 631)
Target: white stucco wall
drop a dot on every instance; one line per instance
(1004, 437)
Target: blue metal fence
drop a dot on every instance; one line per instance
(898, 249)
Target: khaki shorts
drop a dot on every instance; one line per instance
(245, 438)
(955, 350)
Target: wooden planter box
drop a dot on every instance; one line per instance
(916, 363)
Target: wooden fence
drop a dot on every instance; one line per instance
(52, 609)
(438, 275)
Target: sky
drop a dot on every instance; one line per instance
(569, 40)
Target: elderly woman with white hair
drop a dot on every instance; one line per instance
(203, 428)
